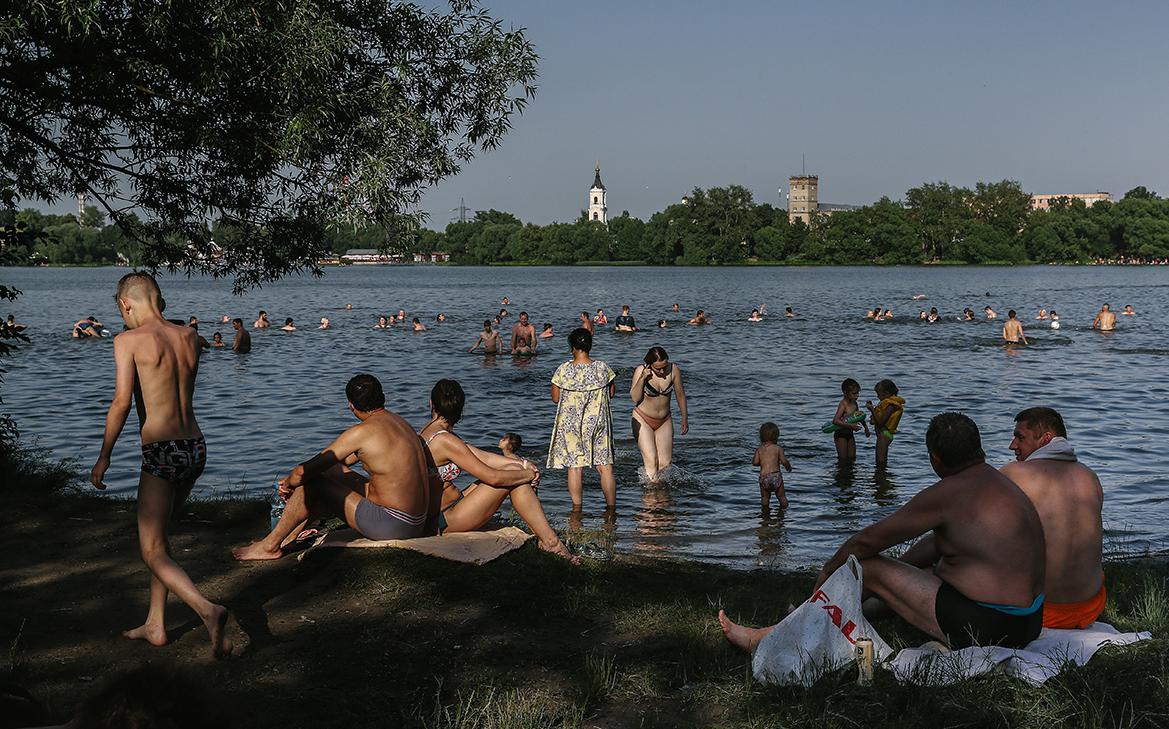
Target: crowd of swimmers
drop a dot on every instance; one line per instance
(999, 553)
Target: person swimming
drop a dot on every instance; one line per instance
(547, 332)
(1128, 311)
(755, 316)
(1054, 319)
(990, 313)
(662, 324)
(700, 318)
(382, 323)
(288, 325)
(441, 317)
(418, 325)
(324, 323)
(1042, 315)
(217, 340)
(933, 315)
(789, 313)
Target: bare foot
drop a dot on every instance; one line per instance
(152, 634)
(559, 550)
(217, 628)
(256, 551)
(740, 636)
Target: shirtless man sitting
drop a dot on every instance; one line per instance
(976, 577)
(156, 363)
(390, 503)
(1069, 499)
(1105, 321)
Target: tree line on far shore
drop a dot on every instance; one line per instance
(935, 223)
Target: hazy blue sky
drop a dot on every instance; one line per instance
(1062, 96)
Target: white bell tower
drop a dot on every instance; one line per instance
(598, 207)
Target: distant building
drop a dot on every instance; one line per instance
(1043, 202)
(803, 195)
(598, 206)
(372, 256)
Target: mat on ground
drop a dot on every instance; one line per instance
(469, 547)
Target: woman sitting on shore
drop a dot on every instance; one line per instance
(653, 425)
(498, 476)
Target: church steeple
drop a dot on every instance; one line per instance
(598, 206)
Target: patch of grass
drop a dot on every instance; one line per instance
(490, 708)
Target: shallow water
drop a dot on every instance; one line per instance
(264, 412)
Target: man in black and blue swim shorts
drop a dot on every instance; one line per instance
(975, 576)
(392, 502)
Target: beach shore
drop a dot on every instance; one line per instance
(360, 638)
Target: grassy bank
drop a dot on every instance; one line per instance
(356, 638)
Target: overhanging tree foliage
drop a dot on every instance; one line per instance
(284, 120)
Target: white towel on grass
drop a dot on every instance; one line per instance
(1038, 661)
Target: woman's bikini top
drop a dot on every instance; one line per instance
(655, 392)
(448, 471)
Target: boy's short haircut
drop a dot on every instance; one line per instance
(769, 433)
(849, 384)
(580, 339)
(365, 393)
(514, 441)
(887, 386)
(1011, 314)
(1043, 419)
(237, 320)
(954, 439)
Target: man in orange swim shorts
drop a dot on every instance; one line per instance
(1069, 499)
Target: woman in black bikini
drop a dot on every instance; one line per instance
(653, 427)
(499, 477)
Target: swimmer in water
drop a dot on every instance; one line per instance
(922, 316)
(349, 307)
(600, 318)
(625, 322)
(288, 326)
(1054, 319)
(844, 437)
(203, 343)
(676, 308)
(489, 338)
(418, 325)
(401, 315)
(1105, 321)
(441, 317)
(887, 315)
(217, 340)
(968, 314)
(547, 333)
(262, 322)
(662, 324)
(755, 316)
(1013, 329)
(88, 327)
(1042, 315)
(700, 318)
(523, 336)
(324, 323)
(13, 327)
(990, 313)
(769, 456)
(503, 314)
(918, 297)
(1128, 311)
(506, 301)
(241, 343)
(382, 323)
(586, 322)
(789, 313)
(933, 315)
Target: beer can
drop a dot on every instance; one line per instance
(864, 661)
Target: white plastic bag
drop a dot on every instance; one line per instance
(820, 635)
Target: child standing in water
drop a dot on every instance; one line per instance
(885, 416)
(848, 422)
(769, 456)
(583, 432)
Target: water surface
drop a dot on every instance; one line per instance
(266, 411)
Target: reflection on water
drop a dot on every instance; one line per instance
(266, 411)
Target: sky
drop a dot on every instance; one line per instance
(877, 97)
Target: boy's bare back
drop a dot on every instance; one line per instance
(769, 456)
(162, 360)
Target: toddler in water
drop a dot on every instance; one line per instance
(848, 420)
(769, 457)
(886, 415)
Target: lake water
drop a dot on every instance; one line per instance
(265, 411)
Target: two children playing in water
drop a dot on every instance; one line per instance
(885, 416)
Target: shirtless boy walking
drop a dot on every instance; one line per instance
(156, 367)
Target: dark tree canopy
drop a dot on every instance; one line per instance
(283, 120)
